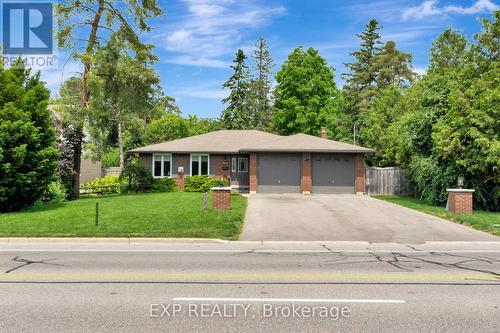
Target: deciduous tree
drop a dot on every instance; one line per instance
(95, 18)
(304, 93)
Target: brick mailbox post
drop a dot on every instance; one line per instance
(460, 201)
(180, 181)
(221, 198)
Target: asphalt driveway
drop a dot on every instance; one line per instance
(274, 217)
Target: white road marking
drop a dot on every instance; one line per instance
(248, 250)
(285, 300)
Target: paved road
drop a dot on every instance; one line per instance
(346, 218)
(132, 285)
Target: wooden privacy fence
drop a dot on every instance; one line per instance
(390, 180)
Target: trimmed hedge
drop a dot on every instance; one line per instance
(105, 185)
(203, 183)
(163, 185)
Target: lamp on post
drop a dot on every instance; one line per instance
(460, 182)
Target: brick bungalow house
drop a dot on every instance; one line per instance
(262, 162)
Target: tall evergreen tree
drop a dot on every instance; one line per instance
(237, 114)
(393, 67)
(28, 158)
(360, 82)
(261, 85)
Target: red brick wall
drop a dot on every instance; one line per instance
(180, 160)
(359, 183)
(219, 172)
(221, 199)
(253, 172)
(306, 181)
(460, 202)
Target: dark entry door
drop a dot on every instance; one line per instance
(239, 171)
(333, 173)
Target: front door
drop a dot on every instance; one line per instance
(239, 171)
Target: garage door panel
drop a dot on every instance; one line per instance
(278, 173)
(333, 173)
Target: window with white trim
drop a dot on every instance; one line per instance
(199, 164)
(162, 165)
(242, 164)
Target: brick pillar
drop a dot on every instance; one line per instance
(460, 201)
(253, 173)
(306, 182)
(221, 198)
(359, 183)
(180, 181)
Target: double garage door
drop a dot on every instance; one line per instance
(281, 173)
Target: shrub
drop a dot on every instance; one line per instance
(56, 192)
(431, 180)
(203, 183)
(105, 185)
(111, 158)
(136, 177)
(163, 185)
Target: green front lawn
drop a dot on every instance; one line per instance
(482, 220)
(136, 215)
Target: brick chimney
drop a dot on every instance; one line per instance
(323, 134)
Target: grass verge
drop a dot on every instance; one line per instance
(174, 214)
(482, 220)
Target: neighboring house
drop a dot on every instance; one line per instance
(262, 162)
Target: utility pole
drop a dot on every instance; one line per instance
(354, 133)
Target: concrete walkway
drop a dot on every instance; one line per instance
(346, 218)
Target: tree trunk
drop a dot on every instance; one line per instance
(77, 161)
(77, 158)
(120, 145)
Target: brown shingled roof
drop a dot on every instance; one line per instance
(305, 143)
(224, 141)
(236, 141)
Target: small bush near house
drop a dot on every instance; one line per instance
(105, 185)
(163, 185)
(136, 177)
(203, 183)
(56, 192)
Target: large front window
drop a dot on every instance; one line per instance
(162, 165)
(199, 164)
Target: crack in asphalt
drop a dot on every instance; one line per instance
(26, 262)
(396, 262)
(456, 265)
